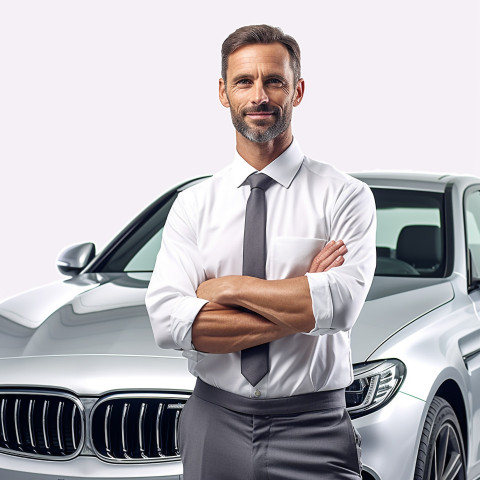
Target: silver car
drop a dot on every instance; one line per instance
(85, 393)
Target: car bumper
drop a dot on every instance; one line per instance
(390, 438)
(389, 450)
(84, 467)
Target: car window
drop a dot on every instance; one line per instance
(142, 260)
(138, 251)
(391, 221)
(410, 236)
(472, 224)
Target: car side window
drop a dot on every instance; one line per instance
(472, 227)
(410, 233)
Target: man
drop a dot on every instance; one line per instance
(245, 288)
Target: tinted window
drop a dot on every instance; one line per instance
(410, 233)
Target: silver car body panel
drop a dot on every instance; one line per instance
(432, 360)
(30, 309)
(85, 467)
(380, 443)
(387, 311)
(110, 318)
(82, 376)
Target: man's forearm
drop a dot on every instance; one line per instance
(286, 303)
(221, 329)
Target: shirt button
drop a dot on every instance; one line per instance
(258, 393)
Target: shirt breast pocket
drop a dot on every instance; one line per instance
(292, 256)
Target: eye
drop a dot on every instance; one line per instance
(276, 82)
(242, 82)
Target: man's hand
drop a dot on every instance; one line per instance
(330, 256)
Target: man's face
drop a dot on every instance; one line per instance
(260, 91)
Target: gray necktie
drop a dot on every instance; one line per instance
(254, 364)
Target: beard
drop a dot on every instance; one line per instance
(258, 133)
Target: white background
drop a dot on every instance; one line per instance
(106, 104)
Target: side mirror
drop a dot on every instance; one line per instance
(73, 259)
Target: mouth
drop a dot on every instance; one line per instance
(260, 115)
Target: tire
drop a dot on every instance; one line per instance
(441, 455)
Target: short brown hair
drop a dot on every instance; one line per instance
(266, 34)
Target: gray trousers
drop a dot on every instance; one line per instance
(218, 443)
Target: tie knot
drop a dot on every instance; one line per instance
(259, 180)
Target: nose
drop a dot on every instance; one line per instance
(259, 94)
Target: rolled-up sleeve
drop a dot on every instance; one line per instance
(338, 295)
(171, 298)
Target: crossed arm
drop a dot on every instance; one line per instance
(245, 311)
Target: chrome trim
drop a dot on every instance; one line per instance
(175, 400)
(141, 429)
(177, 417)
(46, 404)
(59, 426)
(2, 420)
(158, 422)
(78, 407)
(126, 408)
(106, 430)
(142, 395)
(470, 356)
(74, 413)
(16, 420)
(31, 406)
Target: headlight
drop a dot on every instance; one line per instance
(374, 385)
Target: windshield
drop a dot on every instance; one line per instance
(410, 236)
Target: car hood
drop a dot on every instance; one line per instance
(91, 314)
(74, 334)
(393, 303)
(97, 324)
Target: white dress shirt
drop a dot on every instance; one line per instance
(309, 204)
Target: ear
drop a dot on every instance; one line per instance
(299, 92)
(222, 94)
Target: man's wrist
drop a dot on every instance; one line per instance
(242, 289)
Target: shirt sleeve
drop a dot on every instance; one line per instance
(171, 300)
(339, 294)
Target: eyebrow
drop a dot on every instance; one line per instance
(249, 76)
(241, 76)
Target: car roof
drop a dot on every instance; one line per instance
(427, 181)
(435, 182)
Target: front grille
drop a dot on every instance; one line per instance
(133, 428)
(40, 424)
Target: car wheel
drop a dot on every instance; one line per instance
(441, 455)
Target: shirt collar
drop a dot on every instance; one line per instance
(283, 169)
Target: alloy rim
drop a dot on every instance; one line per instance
(447, 460)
